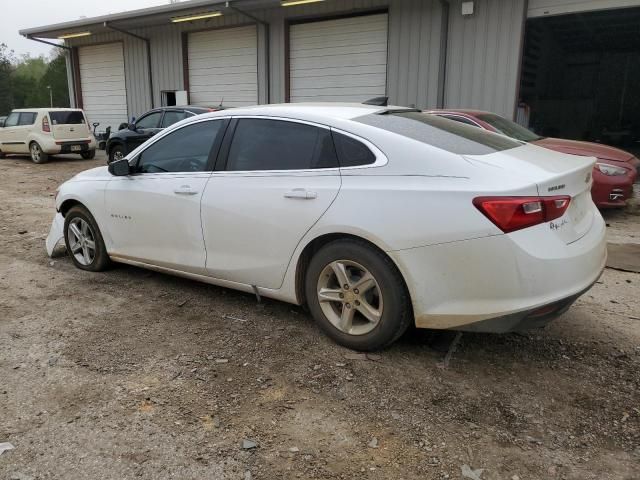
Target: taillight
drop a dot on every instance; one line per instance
(515, 213)
(45, 124)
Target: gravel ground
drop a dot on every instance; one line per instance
(134, 374)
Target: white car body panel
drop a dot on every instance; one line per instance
(239, 230)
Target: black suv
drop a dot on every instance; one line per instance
(128, 138)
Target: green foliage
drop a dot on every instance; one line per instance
(24, 81)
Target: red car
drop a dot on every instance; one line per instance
(613, 174)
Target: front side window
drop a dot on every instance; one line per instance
(184, 150)
(173, 116)
(12, 120)
(439, 132)
(149, 121)
(27, 118)
(262, 144)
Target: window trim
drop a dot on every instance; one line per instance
(213, 153)
(221, 165)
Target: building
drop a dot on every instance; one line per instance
(562, 59)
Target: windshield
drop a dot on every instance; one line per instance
(439, 132)
(508, 128)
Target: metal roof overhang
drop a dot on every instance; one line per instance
(146, 17)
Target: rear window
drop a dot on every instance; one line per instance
(66, 118)
(445, 134)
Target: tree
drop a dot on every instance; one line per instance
(6, 69)
(56, 78)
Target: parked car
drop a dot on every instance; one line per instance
(373, 216)
(135, 134)
(41, 132)
(613, 174)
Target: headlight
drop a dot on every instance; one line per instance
(610, 169)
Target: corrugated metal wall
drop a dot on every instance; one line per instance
(415, 38)
(483, 56)
(482, 52)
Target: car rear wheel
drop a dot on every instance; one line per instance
(37, 155)
(89, 155)
(357, 296)
(84, 241)
(117, 153)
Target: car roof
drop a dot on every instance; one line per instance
(310, 111)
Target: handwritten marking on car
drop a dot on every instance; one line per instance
(558, 225)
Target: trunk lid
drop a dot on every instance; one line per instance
(69, 125)
(553, 173)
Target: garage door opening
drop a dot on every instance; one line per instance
(580, 76)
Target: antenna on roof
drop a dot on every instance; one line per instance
(377, 101)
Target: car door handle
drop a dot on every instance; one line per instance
(185, 190)
(301, 193)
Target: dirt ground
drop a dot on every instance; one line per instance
(134, 374)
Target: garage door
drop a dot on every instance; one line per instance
(223, 67)
(339, 60)
(104, 95)
(540, 8)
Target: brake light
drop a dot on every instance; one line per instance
(515, 213)
(45, 124)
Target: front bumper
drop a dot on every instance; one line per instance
(612, 191)
(56, 234)
(501, 283)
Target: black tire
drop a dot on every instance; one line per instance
(3, 155)
(100, 259)
(115, 150)
(37, 155)
(88, 155)
(396, 313)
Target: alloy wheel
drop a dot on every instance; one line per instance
(35, 152)
(82, 241)
(350, 297)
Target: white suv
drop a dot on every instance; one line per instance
(41, 132)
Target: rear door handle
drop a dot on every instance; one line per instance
(185, 190)
(301, 193)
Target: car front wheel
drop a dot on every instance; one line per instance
(116, 153)
(357, 296)
(37, 155)
(84, 241)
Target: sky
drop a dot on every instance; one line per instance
(18, 14)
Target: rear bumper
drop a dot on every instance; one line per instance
(497, 284)
(69, 146)
(612, 191)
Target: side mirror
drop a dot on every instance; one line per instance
(120, 168)
(122, 126)
(132, 127)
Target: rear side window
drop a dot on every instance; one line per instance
(173, 116)
(261, 144)
(67, 117)
(351, 152)
(27, 118)
(433, 130)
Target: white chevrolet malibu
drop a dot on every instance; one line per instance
(374, 217)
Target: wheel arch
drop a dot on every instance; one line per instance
(69, 203)
(112, 144)
(320, 241)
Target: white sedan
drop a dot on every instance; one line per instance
(374, 217)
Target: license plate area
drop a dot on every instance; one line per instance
(76, 148)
